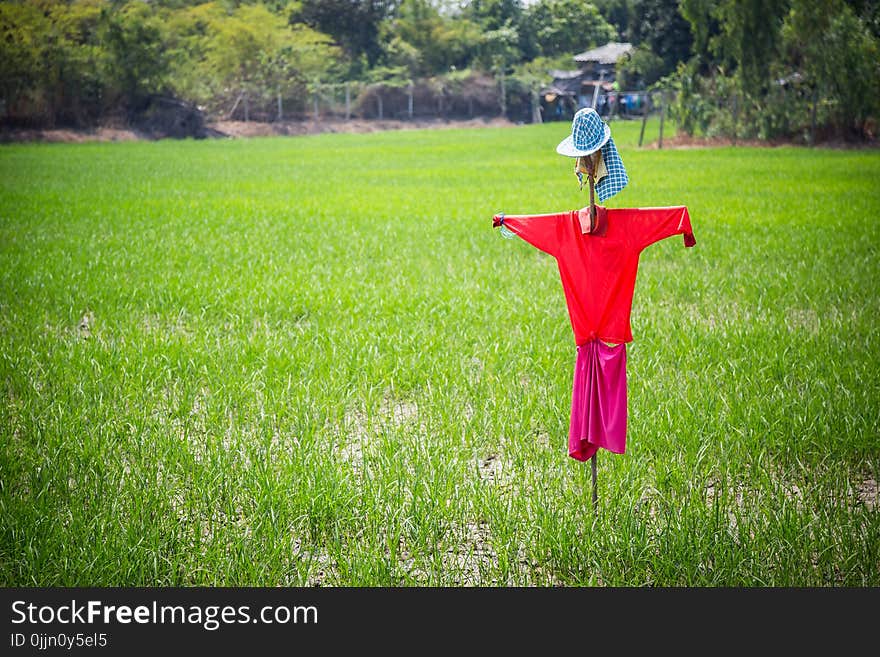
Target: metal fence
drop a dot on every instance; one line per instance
(480, 96)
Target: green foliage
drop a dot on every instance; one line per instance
(703, 23)
(692, 105)
(494, 14)
(749, 39)
(784, 68)
(74, 62)
(253, 48)
(354, 24)
(640, 69)
(617, 12)
(22, 28)
(52, 60)
(658, 26)
(567, 26)
(839, 58)
(135, 37)
(714, 106)
(744, 67)
(498, 49)
(427, 42)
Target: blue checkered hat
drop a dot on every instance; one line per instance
(589, 133)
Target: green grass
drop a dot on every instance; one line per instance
(313, 361)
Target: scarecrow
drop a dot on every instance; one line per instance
(597, 250)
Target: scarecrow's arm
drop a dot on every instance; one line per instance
(543, 231)
(649, 225)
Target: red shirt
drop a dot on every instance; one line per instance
(599, 268)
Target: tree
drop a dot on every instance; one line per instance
(51, 61)
(493, 15)
(429, 42)
(749, 39)
(567, 26)
(353, 24)
(840, 58)
(868, 12)
(659, 26)
(498, 50)
(258, 55)
(704, 27)
(617, 12)
(137, 66)
(22, 50)
(640, 69)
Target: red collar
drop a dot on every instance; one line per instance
(601, 225)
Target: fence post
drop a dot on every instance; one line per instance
(735, 116)
(662, 116)
(315, 101)
(235, 105)
(247, 108)
(536, 105)
(409, 103)
(503, 95)
(280, 109)
(379, 102)
(813, 116)
(642, 131)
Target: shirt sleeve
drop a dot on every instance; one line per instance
(649, 225)
(543, 231)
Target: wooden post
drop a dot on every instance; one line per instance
(591, 172)
(503, 96)
(280, 109)
(235, 105)
(642, 132)
(735, 116)
(315, 102)
(662, 116)
(247, 108)
(536, 106)
(813, 116)
(591, 175)
(347, 102)
(409, 100)
(593, 467)
(379, 103)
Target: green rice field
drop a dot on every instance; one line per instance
(312, 361)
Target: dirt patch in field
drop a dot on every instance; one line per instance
(867, 493)
(360, 432)
(254, 129)
(242, 129)
(68, 135)
(683, 141)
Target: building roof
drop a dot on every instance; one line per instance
(607, 54)
(565, 75)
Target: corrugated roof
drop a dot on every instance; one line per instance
(607, 54)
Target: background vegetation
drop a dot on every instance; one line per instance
(738, 67)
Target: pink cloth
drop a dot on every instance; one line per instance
(598, 400)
